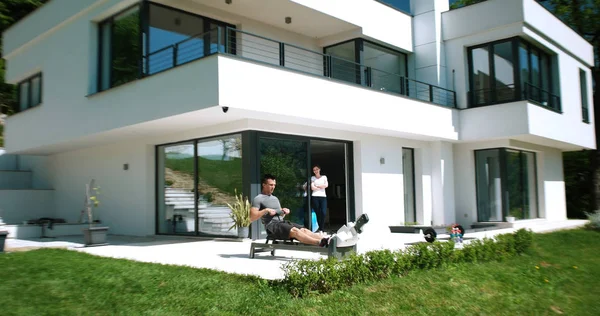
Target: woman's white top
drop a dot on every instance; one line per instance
(320, 181)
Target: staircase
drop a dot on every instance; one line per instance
(22, 195)
(212, 220)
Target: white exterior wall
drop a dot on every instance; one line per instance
(250, 86)
(442, 165)
(368, 14)
(127, 196)
(17, 206)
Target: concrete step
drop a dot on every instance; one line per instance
(8, 162)
(10, 179)
(178, 195)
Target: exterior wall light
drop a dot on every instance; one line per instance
(228, 1)
(288, 20)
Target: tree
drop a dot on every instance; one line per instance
(583, 16)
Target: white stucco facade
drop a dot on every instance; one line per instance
(78, 133)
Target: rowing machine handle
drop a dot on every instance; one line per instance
(360, 222)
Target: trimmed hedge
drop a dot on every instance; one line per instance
(306, 277)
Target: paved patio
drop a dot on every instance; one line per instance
(232, 255)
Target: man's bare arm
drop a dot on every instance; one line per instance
(256, 214)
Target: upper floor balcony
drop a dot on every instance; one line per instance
(526, 74)
(230, 41)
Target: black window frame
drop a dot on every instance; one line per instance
(520, 93)
(144, 30)
(250, 172)
(502, 156)
(359, 49)
(29, 80)
(583, 90)
(100, 58)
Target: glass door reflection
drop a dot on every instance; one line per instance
(287, 160)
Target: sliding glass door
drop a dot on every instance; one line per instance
(196, 181)
(506, 184)
(287, 160)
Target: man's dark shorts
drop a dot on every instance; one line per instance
(281, 230)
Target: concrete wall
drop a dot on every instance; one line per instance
(126, 198)
(17, 206)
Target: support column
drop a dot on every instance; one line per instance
(430, 59)
(442, 176)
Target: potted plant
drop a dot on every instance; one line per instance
(240, 214)
(93, 235)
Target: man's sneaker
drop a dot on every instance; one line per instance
(324, 242)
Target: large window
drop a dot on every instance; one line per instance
(175, 37)
(585, 111)
(511, 70)
(120, 49)
(196, 182)
(148, 38)
(29, 92)
(506, 184)
(360, 61)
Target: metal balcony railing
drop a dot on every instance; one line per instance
(509, 93)
(226, 40)
(543, 97)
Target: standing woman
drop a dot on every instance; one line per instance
(318, 184)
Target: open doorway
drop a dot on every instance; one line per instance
(331, 157)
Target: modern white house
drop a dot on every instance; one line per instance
(432, 116)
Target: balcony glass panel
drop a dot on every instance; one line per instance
(36, 90)
(168, 27)
(394, 64)
(523, 64)
(125, 42)
(24, 96)
(504, 74)
(480, 74)
(534, 75)
(342, 65)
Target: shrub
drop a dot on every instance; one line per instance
(523, 240)
(306, 277)
(381, 263)
(594, 219)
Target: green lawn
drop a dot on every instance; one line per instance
(59, 282)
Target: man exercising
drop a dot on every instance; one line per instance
(266, 206)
